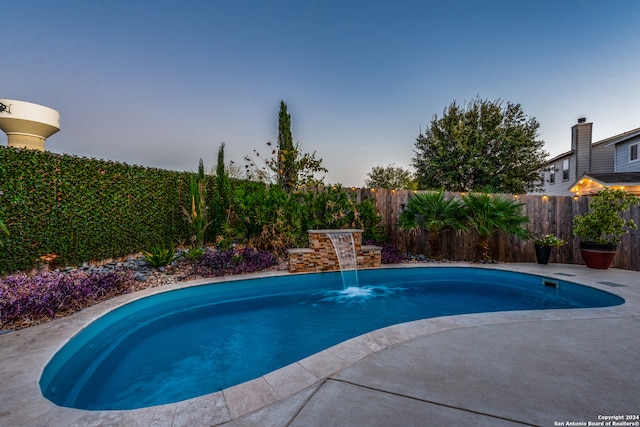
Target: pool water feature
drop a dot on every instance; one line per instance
(197, 340)
(346, 252)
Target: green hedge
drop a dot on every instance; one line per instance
(84, 209)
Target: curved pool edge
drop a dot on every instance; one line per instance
(25, 353)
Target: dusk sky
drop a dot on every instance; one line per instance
(163, 83)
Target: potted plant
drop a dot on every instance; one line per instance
(601, 229)
(543, 245)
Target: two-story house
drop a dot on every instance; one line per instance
(590, 166)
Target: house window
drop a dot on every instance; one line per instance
(633, 152)
(565, 170)
(552, 174)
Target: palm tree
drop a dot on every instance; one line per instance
(489, 214)
(434, 213)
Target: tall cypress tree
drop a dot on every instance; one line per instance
(222, 199)
(287, 173)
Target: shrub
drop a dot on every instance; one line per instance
(390, 254)
(158, 256)
(369, 220)
(28, 299)
(265, 217)
(233, 261)
(333, 208)
(193, 254)
(549, 240)
(603, 224)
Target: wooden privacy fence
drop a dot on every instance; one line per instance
(547, 214)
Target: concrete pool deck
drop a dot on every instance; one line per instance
(545, 368)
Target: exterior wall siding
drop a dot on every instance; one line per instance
(622, 156)
(561, 186)
(602, 159)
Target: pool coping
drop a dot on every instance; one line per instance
(26, 352)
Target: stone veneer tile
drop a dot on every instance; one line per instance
(321, 255)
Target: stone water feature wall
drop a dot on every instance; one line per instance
(321, 255)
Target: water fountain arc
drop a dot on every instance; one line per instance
(346, 252)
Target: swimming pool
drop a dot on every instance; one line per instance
(189, 342)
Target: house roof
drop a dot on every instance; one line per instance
(616, 178)
(559, 156)
(591, 183)
(621, 137)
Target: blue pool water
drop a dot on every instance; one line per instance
(189, 342)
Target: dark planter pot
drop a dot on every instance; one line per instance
(542, 254)
(597, 255)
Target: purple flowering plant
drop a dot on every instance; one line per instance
(390, 254)
(233, 261)
(28, 299)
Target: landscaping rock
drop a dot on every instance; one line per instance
(140, 277)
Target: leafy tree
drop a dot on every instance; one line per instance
(482, 144)
(433, 213)
(289, 167)
(489, 214)
(308, 167)
(392, 176)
